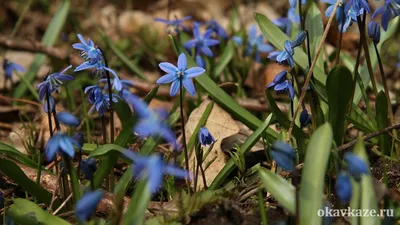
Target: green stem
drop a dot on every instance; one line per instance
(20, 19)
(183, 129)
(74, 178)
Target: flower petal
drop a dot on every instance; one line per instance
(168, 78)
(194, 72)
(175, 86)
(168, 67)
(182, 63)
(189, 86)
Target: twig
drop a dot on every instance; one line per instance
(53, 197)
(20, 100)
(62, 204)
(314, 62)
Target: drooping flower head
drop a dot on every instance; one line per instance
(391, 7)
(62, 144)
(305, 118)
(201, 43)
(284, 155)
(67, 118)
(255, 44)
(86, 206)
(89, 167)
(150, 121)
(205, 137)
(343, 187)
(80, 139)
(176, 75)
(52, 82)
(286, 55)
(217, 29)
(374, 32)
(103, 102)
(280, 83)
(358, 6)
(355, 166)
(9, 67)
(175, 24)
(153, 169)
(46, 106)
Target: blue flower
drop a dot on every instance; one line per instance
(95, 93)
(80, 139)
(299, 39)
(285, 56)
(217, 29)
(280, 83)
(176, 24)
(205, 137)
(68, 119)
(103, 102)
(52, 82)
(254, 43)
(284, 155)
(358, 6)
(150, 122)
(342, 16)
(305, 118)
(117, 84)
(179, 74)
(343, 187)
(355, 166)
(390, 7)
(86, 206)
(201, 43)
(153, 169)
(61, 143)
(52, 105)
(374, 32)
(89, 167)
(9, 67)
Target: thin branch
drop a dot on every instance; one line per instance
(310, 72)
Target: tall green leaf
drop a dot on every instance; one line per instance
(364, 190)
(138, 205)
(225, 58)
(382, 121)
(247, 145)
(283, 191)
(313, 175)
(13, 153)
(339, 88)
(50, 37)
(315, 27)
(25, 212)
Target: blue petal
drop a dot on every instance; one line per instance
(188, 84)
(67, 119)
(175, 86)
(343, 187)
(252, 34)
(175, 171)
(194, 72)
(86, 206)
(168, 67)
(207, 51)
(66, 146)
(182, 63)
(168, 78)
(52, 148)
(237, 40)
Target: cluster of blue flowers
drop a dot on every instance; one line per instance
(9, 67)
(355, 168)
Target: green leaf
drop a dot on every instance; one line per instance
(134, 68)
(50, 37)
(311, 193)
(339, 87)
(225, 58)
(223, 99)
(16, 155)
(14, 172)
(382, 121)
(103, 150)
(138, 205)
(124, 112)
(385, 36)
(25, 212)
(358, 118)
(276, 37)
(283, 191)
(364, 190)
(315, 27)
(247, 145)
(282, 119)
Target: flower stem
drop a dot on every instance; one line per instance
(339, 43)
(74, 178)
(302, 25)
(49, 114)
(361, 26)
(183, 130)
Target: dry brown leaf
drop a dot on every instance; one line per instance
(221, 125)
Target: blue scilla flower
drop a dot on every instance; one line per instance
(201, 43)
(217, 29)
(358, 6)
(52, 105)
(374, 32)
(176, 75)
(284, 155)
(355, 166)
(305, 118)
(150, 122)
(89, 167)
(86, 206)
(62, 144)
(285, 56)
(176, 24)
(102, 103)
(94, 93)
(67, 118)
(205, 137)
(343, 187)
(153, 169)
(280, 83)
(254, 43)
(9, 67)
(52, 82)
(391, 7)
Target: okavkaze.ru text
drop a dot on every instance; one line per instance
(349, 212)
